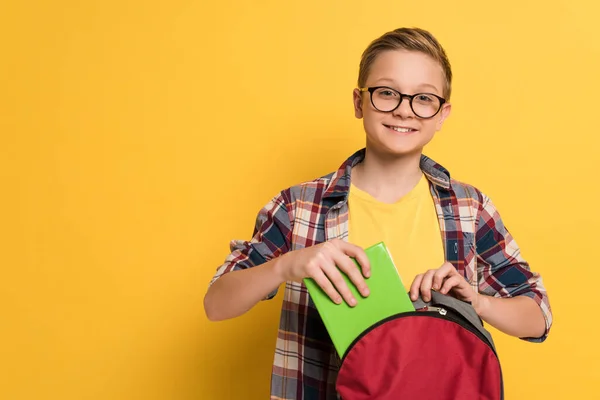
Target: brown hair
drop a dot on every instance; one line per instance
(413, 39)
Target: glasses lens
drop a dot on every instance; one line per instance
(425, 105)
(385, 99)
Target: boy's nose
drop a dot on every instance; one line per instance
(404, 109)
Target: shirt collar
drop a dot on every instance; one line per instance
(339, 186)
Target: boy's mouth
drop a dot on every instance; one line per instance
(400, 129)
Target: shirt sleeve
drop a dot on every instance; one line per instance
(270, 239)
(502, 271)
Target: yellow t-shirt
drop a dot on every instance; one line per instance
(409, 228)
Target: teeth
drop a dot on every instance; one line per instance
(397, 129)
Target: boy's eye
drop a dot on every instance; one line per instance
(424, 98)
(387, 93)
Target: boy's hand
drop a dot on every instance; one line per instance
(445, 280)
(321, 263)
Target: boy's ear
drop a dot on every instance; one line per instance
(444, 113)
(357, 99)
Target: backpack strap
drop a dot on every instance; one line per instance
(462, 307)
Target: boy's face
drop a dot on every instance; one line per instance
(408, 72)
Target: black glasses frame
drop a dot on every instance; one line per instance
(410, 98)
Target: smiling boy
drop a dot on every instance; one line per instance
(443, 234)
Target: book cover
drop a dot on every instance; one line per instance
(388, 297)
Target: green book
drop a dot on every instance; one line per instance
(388, 297)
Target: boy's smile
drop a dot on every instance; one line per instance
(401, 129)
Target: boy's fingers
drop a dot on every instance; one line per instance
(346, 264)
(334, 275)
(359, 254)
(450, 283)
(327, 286)
(441, 273)
(414, 288)
(426, 284)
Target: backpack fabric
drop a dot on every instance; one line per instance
(440, 351)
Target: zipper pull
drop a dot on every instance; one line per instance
(441, 311)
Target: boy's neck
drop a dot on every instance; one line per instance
(387, 178)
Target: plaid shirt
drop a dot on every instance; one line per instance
(476, 242)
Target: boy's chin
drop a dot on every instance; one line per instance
(391, 151)
(400, 146)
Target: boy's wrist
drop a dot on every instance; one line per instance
(482, 305)
(279, 268)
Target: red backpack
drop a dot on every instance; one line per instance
(441, 351)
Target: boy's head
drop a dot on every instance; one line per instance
(404, 85)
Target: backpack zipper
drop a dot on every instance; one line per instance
(439, 310)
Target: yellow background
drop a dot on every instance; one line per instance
(139, 137)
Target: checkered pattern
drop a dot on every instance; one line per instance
(476, 242)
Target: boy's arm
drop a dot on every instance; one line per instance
(513, 298)
(255, 269)
(249, 273)
(517, 316)
(237, 292)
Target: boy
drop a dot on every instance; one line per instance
(445, 233)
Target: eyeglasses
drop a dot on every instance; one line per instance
(386, 99)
